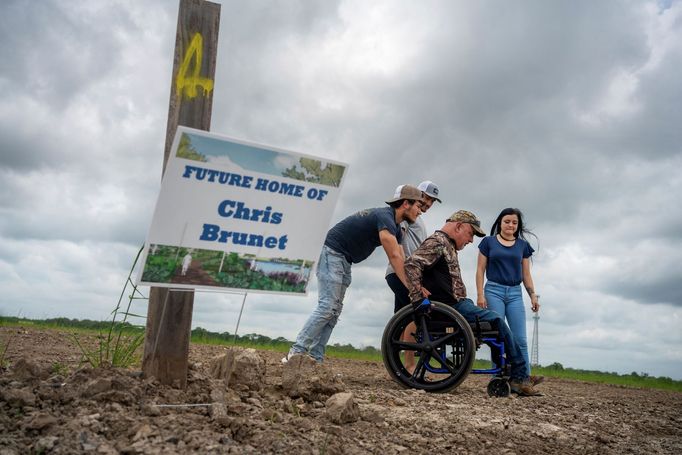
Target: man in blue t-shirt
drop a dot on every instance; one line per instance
(413, 236)
(351, 241)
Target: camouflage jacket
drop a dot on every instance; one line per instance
(435, 266)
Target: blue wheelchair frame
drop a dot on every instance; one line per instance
(445, 352)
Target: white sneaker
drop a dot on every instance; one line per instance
(285, 359)
(289, 355)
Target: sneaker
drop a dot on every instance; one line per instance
(285, 359)
(523, 388)
(535, 380)
(289, 355)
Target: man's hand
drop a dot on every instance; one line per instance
(425, 292)
(481, 302)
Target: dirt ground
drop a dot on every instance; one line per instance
(50, 405)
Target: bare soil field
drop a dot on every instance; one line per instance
(48, 404)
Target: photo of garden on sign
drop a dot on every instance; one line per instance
(239, 216)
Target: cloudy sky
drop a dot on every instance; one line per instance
(567, 110)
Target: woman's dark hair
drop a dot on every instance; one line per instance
(521, 231)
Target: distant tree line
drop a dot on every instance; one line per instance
(560, 370)
(202, 335)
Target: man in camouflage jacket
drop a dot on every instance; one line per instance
(433, 271)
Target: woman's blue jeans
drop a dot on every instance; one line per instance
(471, 312)
(507, 301)
(333, 278)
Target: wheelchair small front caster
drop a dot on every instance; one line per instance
(499, 387)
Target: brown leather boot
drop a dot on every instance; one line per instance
(523, 388)
(535, 380)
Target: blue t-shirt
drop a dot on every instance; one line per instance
(504, 262)
(357, 236)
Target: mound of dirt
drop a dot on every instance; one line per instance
(48, 404)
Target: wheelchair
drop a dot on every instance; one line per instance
(445, 347)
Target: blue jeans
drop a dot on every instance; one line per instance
(470, 311)
(507, 301)
(333, 278)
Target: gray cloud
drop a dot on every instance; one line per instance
(59, 39)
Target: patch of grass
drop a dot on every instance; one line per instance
(59, 368)
(634, 379)
(117, 345)
(480, 364)
(203, 336)
(369, 353)
(4, 363)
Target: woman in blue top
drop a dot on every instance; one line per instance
(504, 258)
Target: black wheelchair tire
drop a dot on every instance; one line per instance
(461, 334)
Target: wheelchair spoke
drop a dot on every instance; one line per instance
(420, 370)
(445, 364)
(407, 346)
(426, 336)
(441, 340)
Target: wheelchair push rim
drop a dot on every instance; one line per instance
(445, 348)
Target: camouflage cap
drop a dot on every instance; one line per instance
(464, 216)
(406, 192)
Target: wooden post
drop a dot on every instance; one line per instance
(169, 316)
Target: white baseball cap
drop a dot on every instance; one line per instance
(430, 188)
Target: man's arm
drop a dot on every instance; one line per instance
(423, 257)
(394, 252)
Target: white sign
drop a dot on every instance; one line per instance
(237, 215)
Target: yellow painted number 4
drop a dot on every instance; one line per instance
(188, 80)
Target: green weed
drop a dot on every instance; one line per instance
(325, 443)
(59, 368)
(117, 347)
(4, 363)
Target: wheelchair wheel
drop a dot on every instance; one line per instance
(499, 387)
(445, 348)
